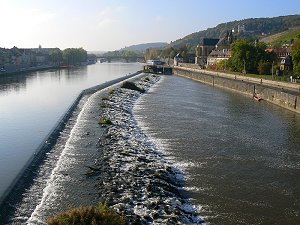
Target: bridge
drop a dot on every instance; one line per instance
(120, 58)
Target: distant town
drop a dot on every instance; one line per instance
(240, 55)
(27, 59)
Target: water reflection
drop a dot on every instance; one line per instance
(18, 82)
(9, 83)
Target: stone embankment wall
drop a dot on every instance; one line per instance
(283, 94)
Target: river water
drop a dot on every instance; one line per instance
(32, 103)
(240, 157)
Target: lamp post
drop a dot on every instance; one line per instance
(273, 70)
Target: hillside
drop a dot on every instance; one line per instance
(143, 47)
(286, 37)
(254, 28)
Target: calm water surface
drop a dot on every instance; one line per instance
(241, 158)
(32, 103)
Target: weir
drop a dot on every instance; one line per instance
(280, 93)
(32, 164)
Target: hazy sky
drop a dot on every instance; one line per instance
(113, 24)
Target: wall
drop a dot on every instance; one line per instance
(286, 95)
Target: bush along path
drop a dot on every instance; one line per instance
(134, 177)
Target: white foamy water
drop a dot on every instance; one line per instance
(67, 177)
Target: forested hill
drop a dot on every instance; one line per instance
(254, 28)
(143, 47)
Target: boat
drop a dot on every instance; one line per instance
(257, 98)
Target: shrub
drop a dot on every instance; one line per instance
(105, 121)
(146, 79)
(100, 215)
(132, 86)
(111, 91)
(105, 98)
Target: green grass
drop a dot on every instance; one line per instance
(105, 121)
(285, 38)
(266, 77)
(105, 98)
(111, 91)
(100, 215)
(146, 79)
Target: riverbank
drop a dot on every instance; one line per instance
(279, 93)
(20, 69)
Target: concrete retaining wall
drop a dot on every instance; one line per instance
(286, 95)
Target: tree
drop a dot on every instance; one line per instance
(74, 56)
(221, 65)
(264, 67)
(56, 56)
(242, 55)
(151, 53)
(296, 57)
(253, 57)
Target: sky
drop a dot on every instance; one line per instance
(106, 25)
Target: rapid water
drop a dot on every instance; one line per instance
(32, 103)
(240, 158)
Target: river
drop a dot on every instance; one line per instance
(32, 103)
(240, 157)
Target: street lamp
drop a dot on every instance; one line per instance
(273, 70)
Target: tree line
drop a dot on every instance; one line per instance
(170, 53)
(249, 57)
(69, 56)
(122, 53)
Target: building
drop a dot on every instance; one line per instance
(286, 64)
(241, 28)
(178, 59)
(216, 56)
(283, 52)
(20, 59)
(221, 50)
(203, 49)
(284, 57)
